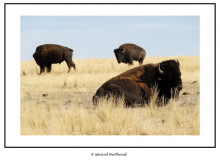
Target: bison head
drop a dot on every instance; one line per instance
(120, 55)
(169, 78)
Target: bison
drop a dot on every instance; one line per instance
(47, 54)
(137, 85)
(128, 52)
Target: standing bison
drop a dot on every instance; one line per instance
(47, 54)
(136, 85)
(126, 53)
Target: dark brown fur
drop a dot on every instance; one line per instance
(137, 84)
(131, 52)
(48, 54)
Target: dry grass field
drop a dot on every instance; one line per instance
(60, 103)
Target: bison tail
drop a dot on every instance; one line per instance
(70, 50)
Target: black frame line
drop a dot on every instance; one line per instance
(100, 135)
(109, 3)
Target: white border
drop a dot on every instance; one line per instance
(13, 13)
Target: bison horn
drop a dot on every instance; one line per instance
(123, 50)
(160, 71)
(178, 62)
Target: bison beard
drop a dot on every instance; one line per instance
(137, 85)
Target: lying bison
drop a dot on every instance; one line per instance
(126, 53)
(136, 85)
(47, 54)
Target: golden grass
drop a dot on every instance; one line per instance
(59, 103)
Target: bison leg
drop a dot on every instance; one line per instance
(48, 67)
(141, 61)
(129, 102)
(73, 65)
(130, 62)
(41, 69)
(70, 64)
